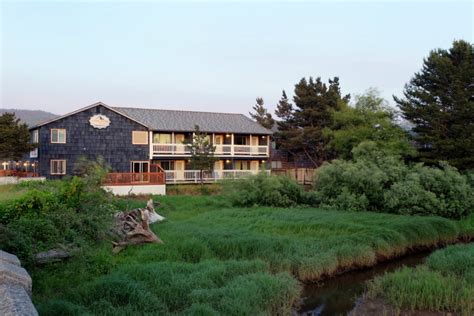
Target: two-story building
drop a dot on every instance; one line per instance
(135, 140)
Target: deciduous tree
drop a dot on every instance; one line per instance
(370, 119)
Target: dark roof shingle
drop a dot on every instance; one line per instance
(184, 121)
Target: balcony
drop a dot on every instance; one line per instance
(194, 176)
(221, 150)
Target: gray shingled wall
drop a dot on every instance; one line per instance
(114, 143)
(15, 287)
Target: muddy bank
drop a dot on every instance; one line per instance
(377, 307)
(344, 293)
(339, 295)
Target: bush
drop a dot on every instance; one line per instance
(375, 181)
(72, 212)
(265, 190)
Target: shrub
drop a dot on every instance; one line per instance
(375, 181)
(265, 190)
(72, 212)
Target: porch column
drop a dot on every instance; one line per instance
(151, 144)
(232, 144)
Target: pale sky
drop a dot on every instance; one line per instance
(59, 56)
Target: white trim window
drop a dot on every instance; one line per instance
(140, 166)
(35, 136)
(139, 138)
(276, 164)
(34, 153)
(58, 136)
(58, 167)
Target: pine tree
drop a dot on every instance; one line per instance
(14, 138)
(202, 152)
(301, 127)
(439, 101)
(261, 114)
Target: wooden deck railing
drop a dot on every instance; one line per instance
(19, 174)
(129, 178)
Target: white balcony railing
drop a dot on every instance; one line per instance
(194, 176)
(221, 150)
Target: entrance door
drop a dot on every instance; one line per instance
(254, 143)
(179, 165)
(180, 146)
(140, 171)
(254, 165)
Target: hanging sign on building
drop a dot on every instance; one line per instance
(99, 121)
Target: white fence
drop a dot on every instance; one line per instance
(194, 176)
(221, 150)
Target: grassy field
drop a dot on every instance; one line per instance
(222, 260)
(445, 283)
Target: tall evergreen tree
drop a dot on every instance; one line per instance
(261, 114)
(301, 126)
(439, 101)
(14, 138)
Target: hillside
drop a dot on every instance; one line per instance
(31, 117)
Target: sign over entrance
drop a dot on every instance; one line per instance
(99, 121)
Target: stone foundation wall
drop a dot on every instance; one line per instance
(15, 287)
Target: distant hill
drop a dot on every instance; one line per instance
(31, 117)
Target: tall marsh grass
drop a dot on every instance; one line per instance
(445, 283)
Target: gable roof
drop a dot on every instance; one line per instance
(184, 121)
(80, 110)
(180, 121)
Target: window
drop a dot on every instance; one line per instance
(58, 166)
(35, 136)
(242, 165)
(139, 137)
(58, 136)
(34, 153)
(139, 166)
(167, 164)
(162, 138)
(276, 164)
(240, 140)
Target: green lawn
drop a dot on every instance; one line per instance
(445, 283)
(222, 260)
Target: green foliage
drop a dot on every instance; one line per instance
(369, 120)
(261, 115)
(14, 138)
(202, 152)
(215, 287)
(439, 102)
(93, 171)
(301, 126)
(222, 260)
(53, 213)
(377, 181)
(445, 283)
(265, 190)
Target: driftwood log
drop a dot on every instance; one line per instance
(133, 227)
(53, 255)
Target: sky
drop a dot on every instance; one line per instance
(59, 56)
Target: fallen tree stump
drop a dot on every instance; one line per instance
(133, 227)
